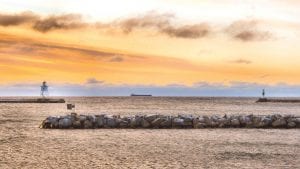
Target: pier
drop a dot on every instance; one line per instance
(34, 100)
(279, 100)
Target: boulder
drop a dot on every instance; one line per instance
(245, 120)
(123, 124)
(275, 117)
(138, 120)
(65, 123)
(99, 121)
(291, 124)
(51, 122)
(201, 120)
(87, 124)
(178, 122)
(111, 123)
(215, 118)
(82, 118)
(91, 118)
(150, 117)
(207, 121)
(235, 122)
(280, 122)
(265, 122)
(145, 123)
(166, 123)
(223, 122)
(256, 121)
(76, 124)
(186, 118)
(156, 123)
(133, 122)
(214, 124)
(297, 121)
(199, 125)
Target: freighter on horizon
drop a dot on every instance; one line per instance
(140, 94)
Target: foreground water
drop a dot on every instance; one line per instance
(24, 145)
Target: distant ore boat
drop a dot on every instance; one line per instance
(141, 95)
(28, 100)
(279, 100)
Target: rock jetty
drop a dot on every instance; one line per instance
(75, 121)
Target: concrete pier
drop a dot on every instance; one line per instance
(34, 100)
(74, 121)
(278, 100)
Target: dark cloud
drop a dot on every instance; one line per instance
(188, 31)
(17, 19)
(247, 31)
(43, 24)
(94, 81)
(242, 61)
(68, 21)
(163, 23)
(117, 59)
(150, 20)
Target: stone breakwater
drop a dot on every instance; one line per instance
(74, 121)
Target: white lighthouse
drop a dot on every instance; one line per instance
(44, 89)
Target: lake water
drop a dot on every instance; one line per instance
(24, 145)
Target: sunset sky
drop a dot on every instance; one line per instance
(163, 47)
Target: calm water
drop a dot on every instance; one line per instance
(178, 105)
(24, 145)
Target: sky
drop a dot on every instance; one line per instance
(162, 47)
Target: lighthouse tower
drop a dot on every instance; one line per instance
(44, 89)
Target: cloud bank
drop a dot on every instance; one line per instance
(247, 30)
(164, 23)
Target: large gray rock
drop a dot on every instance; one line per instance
(123, 124)
(166, 123)
(223, 122)
(199, 125)
(65, 123)
(178, 122)
(245, 121)
(275, 117)
(111, 122)
(145, 123)
(280, 122)
(133, 122)
(297, 121)
(265, 122)
(87, 124)
(150, 117)
(82, 118)
(235, 122)
(51, 122)
(201, 120)
(76, 124)
(207, 121)
(156, 123)
(291, 124)
(256, 121)
(91, 118)
(99, 121)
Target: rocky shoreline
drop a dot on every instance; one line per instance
(75, 121)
